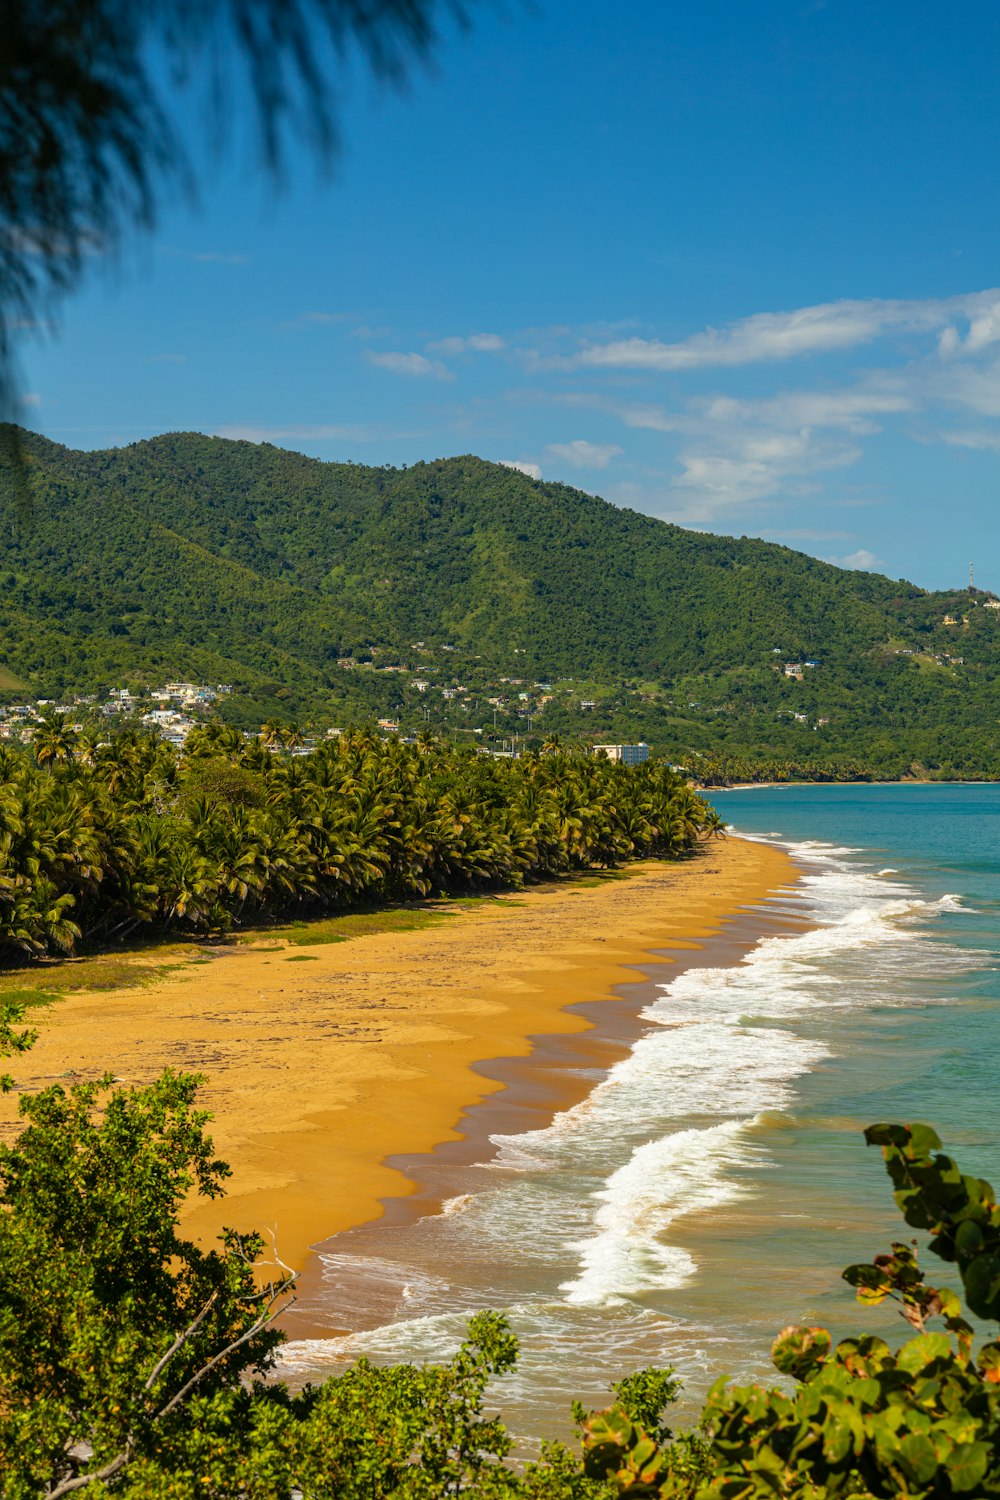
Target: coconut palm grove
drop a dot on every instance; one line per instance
(126, 838)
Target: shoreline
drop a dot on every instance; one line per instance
(373, 1048)
(760, 786)
(561, 1071)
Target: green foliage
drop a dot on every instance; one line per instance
(408, 1430)
(130, 1358)
(12, 1040)
(118, 1337)
(960, 1213)
(264, 569)
(863, 1421)
(127, 837)
(645, 1396)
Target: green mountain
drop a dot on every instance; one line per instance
(193, 556)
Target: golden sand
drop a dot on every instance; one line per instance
(323, 1060)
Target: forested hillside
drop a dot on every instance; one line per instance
(240, 562)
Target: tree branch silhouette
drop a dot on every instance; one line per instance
(88, 143)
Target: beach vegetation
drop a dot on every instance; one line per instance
(133, 841)
(135, 1363)
(860, 1419)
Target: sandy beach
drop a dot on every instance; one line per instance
(323, 1060)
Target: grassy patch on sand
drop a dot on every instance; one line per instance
(102, 971)
(595, 878)
(348, 925)
(143, 966)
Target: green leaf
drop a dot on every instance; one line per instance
(923, 1140)
(838, 1438)
(918, 1457)
(967, 1465)
(981, 1278)
(919, 1352)
(968, 1238)
(799, 1350)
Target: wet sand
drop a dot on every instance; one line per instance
(560, 1071)
(324, 1061)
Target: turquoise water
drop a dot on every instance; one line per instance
(711, 1188)
(934, 1061)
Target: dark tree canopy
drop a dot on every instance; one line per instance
(87, 141)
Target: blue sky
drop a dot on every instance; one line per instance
(733, 265)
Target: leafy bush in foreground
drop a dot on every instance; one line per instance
(131, 1361)
(863, 1421)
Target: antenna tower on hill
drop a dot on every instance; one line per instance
(972, 583)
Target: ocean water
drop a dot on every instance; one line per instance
(712, 1186)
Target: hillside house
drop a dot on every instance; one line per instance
(625, 755)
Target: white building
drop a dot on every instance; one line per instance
(625, 755)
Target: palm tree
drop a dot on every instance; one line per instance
(137, 838)
(54, 742)
(272, 735)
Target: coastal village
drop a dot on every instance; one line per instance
(174, 710)
(443, 689)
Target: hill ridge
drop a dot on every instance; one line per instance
(270, 567)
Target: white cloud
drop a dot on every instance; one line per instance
(987, 440)
(861, 561)
(415, 365)
(31, 398)
(968, 384)
(757, 435)
(220, 258)
(533, 471)
(166, 359)
(584, 455)
(741, 467)
(476, 343)
(852, 410)
(312, 320)
(821, 329)
(984, 329)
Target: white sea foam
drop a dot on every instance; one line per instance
(683, 1173)
(593, 1212)
(456, 1205)
(673, 1118)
